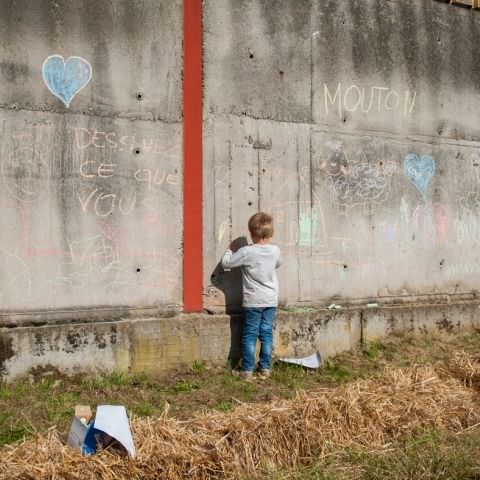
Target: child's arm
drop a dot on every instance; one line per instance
(232, 260)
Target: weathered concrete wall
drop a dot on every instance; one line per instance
(91, 156)
(353, 121)
(162, 344)
(355, 124)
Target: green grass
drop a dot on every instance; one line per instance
(141, 409)
(14, 434)
(198, 367)
(225, 406)
(184, 386)
(27, 407)
(431, 455)
(374, 349)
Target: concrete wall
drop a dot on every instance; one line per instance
(91, 155)
(355, 122)
(161, 344)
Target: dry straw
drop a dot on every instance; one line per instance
(258, 438)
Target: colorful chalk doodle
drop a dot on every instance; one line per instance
(308, 221)
(419, 171)
(66, 78)
(353, 183)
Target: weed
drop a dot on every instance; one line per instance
(142, 409)
(373, 349)
(4, 392)
(14, 434)
(227, 380)
(139, 379)
(45, 384)
(198, 367)
(292, 376)
(184, 386)
(225, 406)
(333, 369)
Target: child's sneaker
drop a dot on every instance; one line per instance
(264, 372)
(243, 375)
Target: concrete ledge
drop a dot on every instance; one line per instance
(161, 344)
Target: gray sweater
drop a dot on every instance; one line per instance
(259, 278)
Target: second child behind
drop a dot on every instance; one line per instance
(260, 292)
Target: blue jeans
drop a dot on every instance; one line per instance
(257, 324)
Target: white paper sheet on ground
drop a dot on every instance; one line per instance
(312, 361)
(112, 419)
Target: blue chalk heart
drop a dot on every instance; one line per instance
(66, 78)
(419, 170)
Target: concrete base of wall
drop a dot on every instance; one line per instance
(161, 344)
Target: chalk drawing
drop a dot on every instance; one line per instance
(92, 250)
(90, 262)
(156, 177)
(308, 221)
(467, 230)
(354, 98)
(26, 174)
(361, 183)
(432, 221)
(287, 212)
(105, 203)
(389, 231)
(92, 168)
(65, 79)
(352, 183)
(419, 171)
(19, 273)
(467, 223)
(463, 269)
(222, 231)
(405, 211)
(91, 138)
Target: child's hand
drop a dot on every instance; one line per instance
(238, 243)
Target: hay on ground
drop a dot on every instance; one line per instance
(259, 437)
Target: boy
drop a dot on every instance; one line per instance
(260, 292)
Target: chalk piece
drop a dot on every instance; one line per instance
(372, 305)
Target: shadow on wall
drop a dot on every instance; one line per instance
(230, 283)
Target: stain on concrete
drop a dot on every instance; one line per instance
(74, 340)
(113, 335)
(39, 345)
(259, 145)
(37, 373)
(6, 352)
(13, 71)
(445, 325)
(100, 341)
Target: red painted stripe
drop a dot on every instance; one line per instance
(192, 156)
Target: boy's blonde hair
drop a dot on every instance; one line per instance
(260, 226)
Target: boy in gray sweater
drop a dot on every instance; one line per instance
(260, 292)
